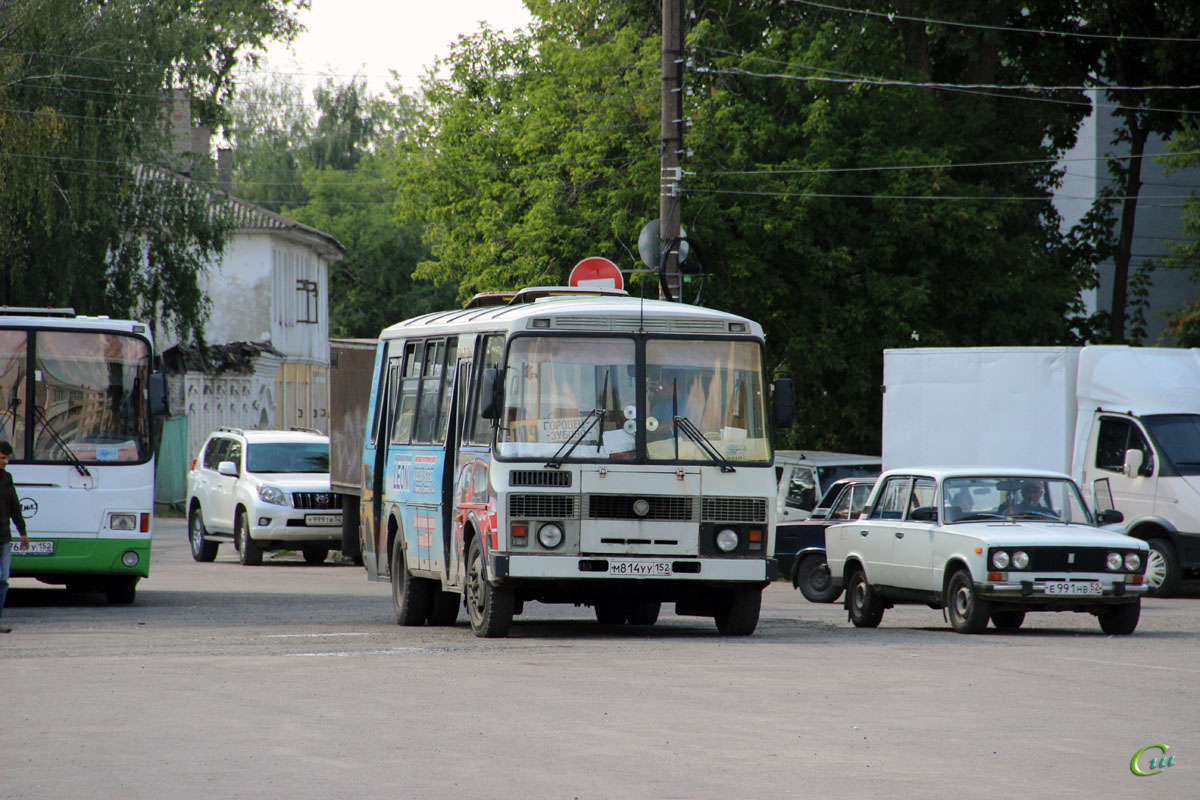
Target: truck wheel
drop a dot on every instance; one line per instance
(490, 607)
(866, 608)
(740, 618)
(412, 597)
(249, 551)
(122, 591)
(1008, 619)
(201, 550)
(814, 581)
(1121, 620)
(314, 554)
(443, 611)
(968, 611)
(1162, 569)
(645, 613)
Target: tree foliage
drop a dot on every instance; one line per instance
(846, 216)
(93, 212)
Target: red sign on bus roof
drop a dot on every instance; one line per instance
(598, 272)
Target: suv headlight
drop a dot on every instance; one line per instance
(272, 495)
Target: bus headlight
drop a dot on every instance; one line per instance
(727, 540)
(550, 535)
(122, 522)
(269, 494)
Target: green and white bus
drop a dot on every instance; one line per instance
(75, 403)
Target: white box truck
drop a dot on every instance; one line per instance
(1123, 421)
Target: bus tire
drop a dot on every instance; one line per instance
(610, 612)
(121, 591)
(490, 607)
(201, 550)
(644, 613)
(412, 597)
(443, 611)
(250, 552)
(740, 616)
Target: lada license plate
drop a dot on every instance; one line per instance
(322, 519)
(633, 569)
(1092, 587)
(39, 548)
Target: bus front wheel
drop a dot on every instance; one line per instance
(491, 608)
(122, 591)
(740, 617)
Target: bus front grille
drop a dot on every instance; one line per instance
(531, 477)
(541, 506)
(734, 509)
(620, 506)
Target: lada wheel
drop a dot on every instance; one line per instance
(1121, 620)
(740, 618)
(412, 597)
(490, 607)
(1162, 569)
(968, 611)
(201, 550)
(1008, 619)
(249, 551)
(814, 581)
(866, 608)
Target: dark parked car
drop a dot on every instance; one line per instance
(800, 545)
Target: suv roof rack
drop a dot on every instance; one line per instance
(238, 431)
(307, 430)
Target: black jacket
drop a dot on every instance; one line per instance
(10, 508)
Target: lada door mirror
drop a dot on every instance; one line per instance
(490, 397)
(1133, 463)
(924, 514)
(783, 402)
(1109, 516)
(228, 468)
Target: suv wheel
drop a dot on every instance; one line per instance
(201, 550)
(250, 551)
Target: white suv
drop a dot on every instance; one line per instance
(263, 490)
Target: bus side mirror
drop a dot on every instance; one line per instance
(158, 395)
(783, 402)
(1133, 463)
(490, 398)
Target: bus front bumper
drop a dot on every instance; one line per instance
(560, 567)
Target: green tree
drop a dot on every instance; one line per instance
(542, 148)
(93, 211)
(269, 125)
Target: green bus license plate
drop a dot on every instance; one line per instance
(39, 548)
(1074, 588)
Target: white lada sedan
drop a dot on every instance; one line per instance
(986, 544)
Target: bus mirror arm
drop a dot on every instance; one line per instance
(490, 393)
(158, 395)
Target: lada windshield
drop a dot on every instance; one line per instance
(985, 499)
(288, 457)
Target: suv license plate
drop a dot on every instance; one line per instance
(39, 548)
(322, 519)
(655, 569)
(1074, 588)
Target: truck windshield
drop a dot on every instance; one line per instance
(985, 499)
(1178, 439)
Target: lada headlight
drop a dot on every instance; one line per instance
(1114, 561)
(1132, 562)
(1000, 559)
(272, 495)
(1020, 559)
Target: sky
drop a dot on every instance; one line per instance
(374, 37)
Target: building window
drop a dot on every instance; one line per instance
(307, 305)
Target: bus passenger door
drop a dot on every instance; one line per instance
(452, 522)
(377, 530)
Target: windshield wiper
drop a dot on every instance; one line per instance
(571, 443)
(692, 432)
(40, 416)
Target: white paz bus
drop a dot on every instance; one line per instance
(76, 406)
(571, 446)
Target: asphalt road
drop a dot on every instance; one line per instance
(293, 681)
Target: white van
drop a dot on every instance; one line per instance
(804, 476)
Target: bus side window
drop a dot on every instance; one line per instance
(406, 404)
(431, 384)
(491, 357)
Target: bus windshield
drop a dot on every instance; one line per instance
(84, 398)
(579, 399)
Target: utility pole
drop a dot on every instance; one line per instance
(671, 176)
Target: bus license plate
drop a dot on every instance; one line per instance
(652, 569)
(1074, 588)
(322, 519)
(39, 548)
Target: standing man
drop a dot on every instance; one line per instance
(10, 510)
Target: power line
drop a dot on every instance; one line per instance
(1038, 31)
(965, 198)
